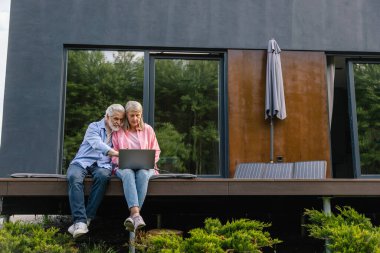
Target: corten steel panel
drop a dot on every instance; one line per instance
(303, 135)
(248, 132)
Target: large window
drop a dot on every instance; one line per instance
(186, 109)
(365, 116)
(182, 94)
(96, 79)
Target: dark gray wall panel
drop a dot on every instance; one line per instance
(39, 29)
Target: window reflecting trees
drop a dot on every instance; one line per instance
(367, 94)
(96, 79)
(186, 114)
(186, 103)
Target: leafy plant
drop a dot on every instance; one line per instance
(21, 237)
(167, 242)
(241, 235)
(100, 247)
(347, 231)
(201, 241)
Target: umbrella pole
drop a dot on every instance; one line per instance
(271, 140)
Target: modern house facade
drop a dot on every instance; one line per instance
(199, 69)
(321, 41)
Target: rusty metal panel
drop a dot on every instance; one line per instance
(303, 135)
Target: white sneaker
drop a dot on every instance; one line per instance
(129, 224)
(80, 228)
(138, 222)
(71, 228)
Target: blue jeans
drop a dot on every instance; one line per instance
(135, 185)
(75, 176)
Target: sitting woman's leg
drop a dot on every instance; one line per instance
(129, 186)
(142, 180)
(135, 185)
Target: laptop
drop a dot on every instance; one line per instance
(136, 159)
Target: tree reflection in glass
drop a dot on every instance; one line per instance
(96, 79)
(367, 93)
(186, 115)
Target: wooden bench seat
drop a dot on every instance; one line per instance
(37, 195)
(203, 187)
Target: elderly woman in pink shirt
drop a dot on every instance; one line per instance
(135, 135)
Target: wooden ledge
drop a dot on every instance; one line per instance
(56, 187)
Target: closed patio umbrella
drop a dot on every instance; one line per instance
(274, 94)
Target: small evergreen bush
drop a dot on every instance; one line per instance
(241, 235)
(21, 237)
(346, 232)
(99, 247)
(166, 242)
(202, 241)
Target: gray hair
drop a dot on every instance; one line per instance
(134, 106)
(114, 108)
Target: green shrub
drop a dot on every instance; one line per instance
(347, 231)
(162, 243)
(246, 235)
(21, 237)
(241, 235)
(202, 241)
(100, 247)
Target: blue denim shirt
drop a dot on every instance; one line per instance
(93, 148)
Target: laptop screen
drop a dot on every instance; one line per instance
(136, 159)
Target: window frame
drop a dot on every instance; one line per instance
(222, 98)
(148, 91)
(353, 115)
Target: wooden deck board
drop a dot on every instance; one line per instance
(49, 195)
(203, 187)
(3, 187)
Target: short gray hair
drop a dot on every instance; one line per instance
(134, 106)
(114, 108)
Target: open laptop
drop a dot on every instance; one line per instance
(136, 159)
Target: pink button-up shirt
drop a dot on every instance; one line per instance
(147, 138)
